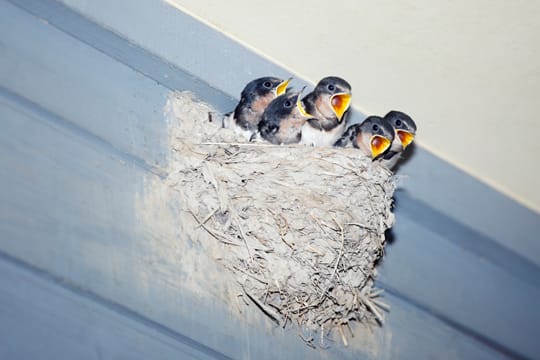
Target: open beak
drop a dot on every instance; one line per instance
(302, 109)
(379, 144)
(340, 103)
(405, 137)
(282, 87)
(300, 105)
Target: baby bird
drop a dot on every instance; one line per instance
(283, 119)
(404, 132)
(254, 99)
(373, 136)
(327, 105)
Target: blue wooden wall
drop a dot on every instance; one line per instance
(82, 90)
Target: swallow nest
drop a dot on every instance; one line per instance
(300, 228)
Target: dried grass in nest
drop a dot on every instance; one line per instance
(300, 228)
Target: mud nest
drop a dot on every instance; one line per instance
(300, 228)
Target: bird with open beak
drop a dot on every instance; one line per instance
(373, 137)
(283, 119)
(254, 99)
(327, 104)
(404, 132)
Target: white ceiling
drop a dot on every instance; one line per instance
(467, 72)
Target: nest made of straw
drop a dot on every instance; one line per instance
(301, 228)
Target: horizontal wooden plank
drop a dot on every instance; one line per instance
(169, 32)
(67, 207)
(73, 208)
(444, 188)
(46, 317)
(467, 238)
(41, 319)
(417, 334)
(82, 85)
(473, 204)
(163, 72)
(462, 288)
(209, 55)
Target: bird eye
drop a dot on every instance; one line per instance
(398, 122)
(267, 84)
(331, 87)
(288, 103)
(375, 128)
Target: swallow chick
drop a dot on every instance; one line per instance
(404, 132)
(327, 105)
(283, 119)
(254, 99)
(373, 136)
